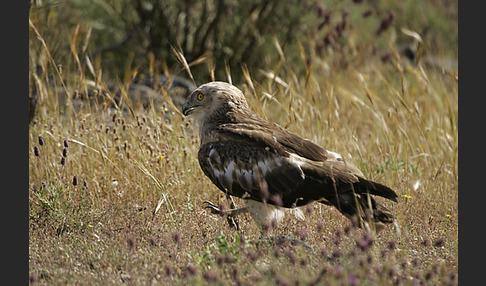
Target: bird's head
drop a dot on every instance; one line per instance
(213, 99)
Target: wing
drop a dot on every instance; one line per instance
(251, 172)
(257, 131)
(260, 160)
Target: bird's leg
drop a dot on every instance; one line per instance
(232, 221)
(231, 212)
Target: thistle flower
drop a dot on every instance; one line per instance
(302, 233)
(365, 243)
(277, 200)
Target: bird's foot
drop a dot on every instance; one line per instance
(232, 222)
(215, 209)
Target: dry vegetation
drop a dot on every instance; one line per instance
(115, 197)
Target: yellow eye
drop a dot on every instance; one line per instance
(200, 96)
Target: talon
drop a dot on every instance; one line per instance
(210, 204)
(213, 208)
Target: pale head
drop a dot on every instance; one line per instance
(214, 99)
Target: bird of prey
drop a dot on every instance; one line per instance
(273, 169)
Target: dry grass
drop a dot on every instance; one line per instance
(135, 215)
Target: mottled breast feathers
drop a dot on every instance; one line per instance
(246, 171)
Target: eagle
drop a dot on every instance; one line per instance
(271, 168)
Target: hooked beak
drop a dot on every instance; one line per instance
(187, 108)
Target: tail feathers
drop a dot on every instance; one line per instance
(377, 189)
(364, 207)
(382, 214)
(369, 208)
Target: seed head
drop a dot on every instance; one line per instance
(338, 271)
(64, 152)
(368, 13)
(336, 254)
(33, 278)
(386, 23)
(277, 200)
(152, 241)
(309, 209)
(276, 252)
(176, 237)
(131, 243)
(36, 151)
(439, 242)
(228, 258)
(41, 140)
(75, 180)
(66, 144)
(302, 233)
(252, 255)
(63, 161)
(426, 241)
(303, 262)
(211, 276)
(453, 276)
(219, 259)
(169, 271)
(190, 270)
(365, 243)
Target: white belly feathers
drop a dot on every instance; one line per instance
(264, 213)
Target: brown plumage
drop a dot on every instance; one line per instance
(272, 168)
